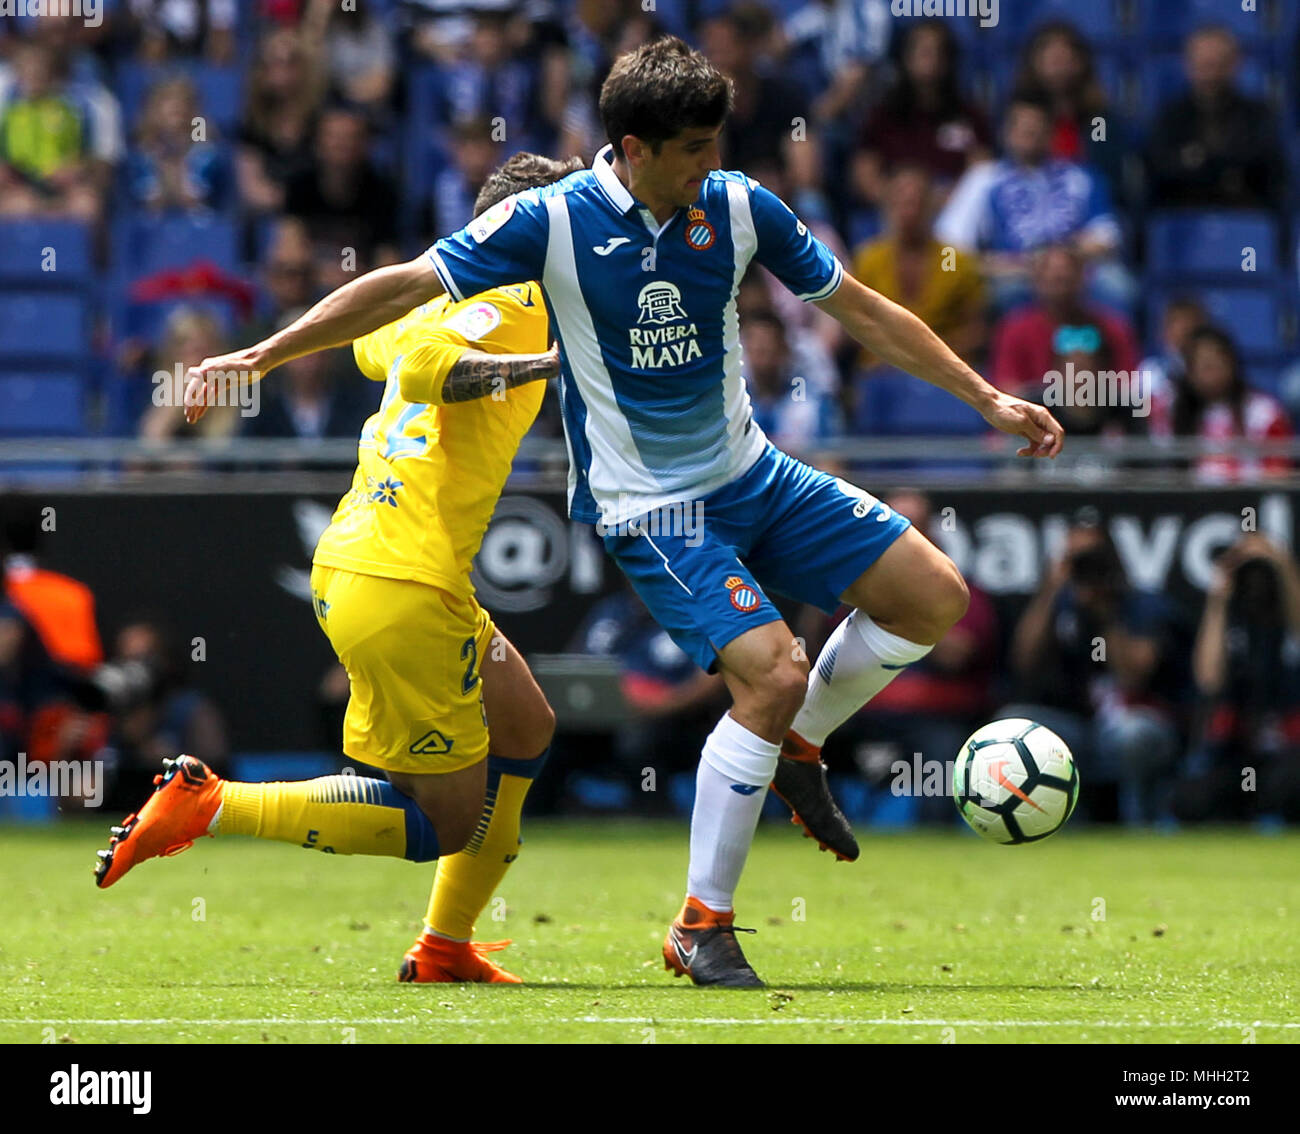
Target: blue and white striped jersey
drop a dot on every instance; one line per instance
(654, 402)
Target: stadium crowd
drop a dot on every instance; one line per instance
(1079, 189)
(1070, 187)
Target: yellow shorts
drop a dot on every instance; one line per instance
(412, 654)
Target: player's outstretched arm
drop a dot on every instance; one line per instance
(477, 374)
(355, 309)
(896, 335)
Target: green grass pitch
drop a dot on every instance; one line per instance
(929, 938)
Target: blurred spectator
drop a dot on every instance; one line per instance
(345, 201)
(27, 680)
(170, 718)
(673, 703)
(941, 286)
(809, 356)
(598, 31)
(793, 413)
(305, 399)
(1028, 341)
(934, 704)
(1213, 402)
(492, 78)
(1214, 146)
(59, 608)
(1059, 69)
(832, 45)
(1165, 369)
(924, 119)
(289, 279)
(49, 641)
(285, 88)
(1098, 662)
(761, 135)
(1030, 199)
(169, 168)
(357, 48)
(1246, 665)
(190, 336)
(164, 29)
(59, 138)
(474, 154)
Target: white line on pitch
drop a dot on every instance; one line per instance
(649, 1021)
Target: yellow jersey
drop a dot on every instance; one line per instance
(429, 475)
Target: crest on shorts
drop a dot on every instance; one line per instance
(743, 597)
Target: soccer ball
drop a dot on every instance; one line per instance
(1014, 781)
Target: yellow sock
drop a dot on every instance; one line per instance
(336, 814)
(465, 881)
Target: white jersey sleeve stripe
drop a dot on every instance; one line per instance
(448, 283)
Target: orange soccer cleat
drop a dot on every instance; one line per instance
(183, 803)
(439, 960)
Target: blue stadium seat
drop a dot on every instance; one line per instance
(1209, 244)
(896, 403)
(220, 90)
(1098, 20)
(144, 243)
(24, 259)
(41, 325)
(41, 404)
(1169, 21)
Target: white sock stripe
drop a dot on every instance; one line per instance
(888, 647)
(733, 751)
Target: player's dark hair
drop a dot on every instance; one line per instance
(659, 90)
(520, 172)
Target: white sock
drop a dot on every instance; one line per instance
(858, 661)
(724, 819)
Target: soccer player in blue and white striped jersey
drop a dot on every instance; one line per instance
(640, 259)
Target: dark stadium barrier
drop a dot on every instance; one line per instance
(229, 573)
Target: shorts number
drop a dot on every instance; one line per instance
(469, 655)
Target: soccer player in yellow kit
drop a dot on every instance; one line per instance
(440, 700)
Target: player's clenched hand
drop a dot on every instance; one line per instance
(209, 383)
(1024, 419)
(551, 361)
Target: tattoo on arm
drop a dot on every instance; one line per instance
(478, 375)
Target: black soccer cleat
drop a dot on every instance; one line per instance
(702, 945)
(801, 783)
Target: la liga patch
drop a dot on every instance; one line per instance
(481, 227)
(475, 320)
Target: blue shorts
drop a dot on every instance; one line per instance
(702, 567)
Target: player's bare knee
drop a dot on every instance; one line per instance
(454, 831)
(783, 688)
(940, 604)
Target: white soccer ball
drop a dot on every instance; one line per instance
(1014, 781)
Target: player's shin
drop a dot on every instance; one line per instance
(336, 814)
(466, 881)
(857, 662)
(736, 767)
